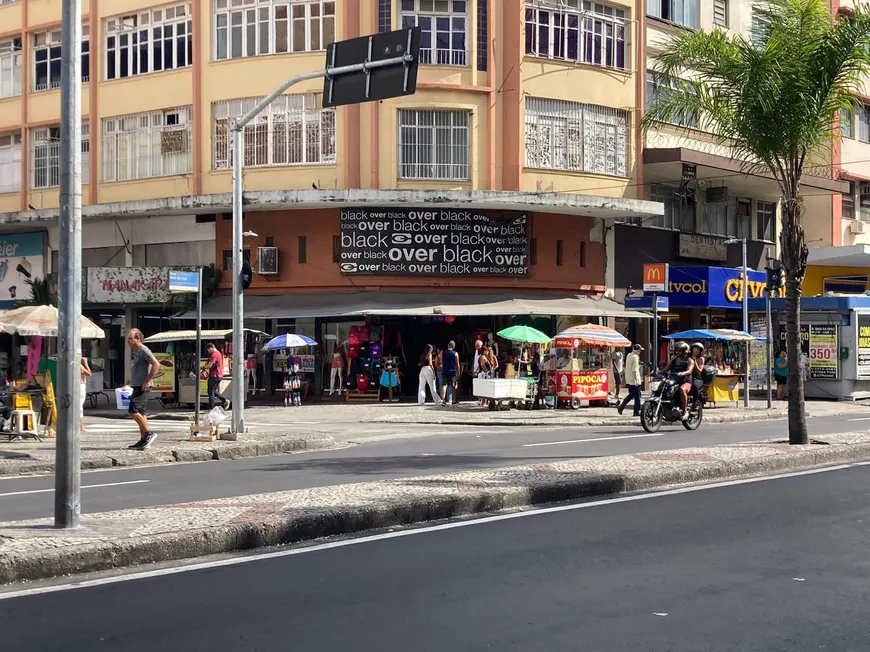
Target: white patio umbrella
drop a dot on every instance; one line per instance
(30, 321)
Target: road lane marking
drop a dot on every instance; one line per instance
(861, 419)
(344, 543)
(583, 441)
(86, 486)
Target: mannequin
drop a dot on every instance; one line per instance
(251, 373)
(490, 342)
(337, 369)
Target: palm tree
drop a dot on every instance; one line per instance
(776, 102)
(43, 292)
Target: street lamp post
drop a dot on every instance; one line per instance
(745, 306)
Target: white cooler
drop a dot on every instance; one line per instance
(500, 388)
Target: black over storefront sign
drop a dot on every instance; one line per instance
(433, 242)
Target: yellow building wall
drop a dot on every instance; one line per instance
(816, 275)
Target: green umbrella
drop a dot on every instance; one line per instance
(523, 333)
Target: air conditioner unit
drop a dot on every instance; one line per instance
(267, 260)
(858, 227)
(717, 195)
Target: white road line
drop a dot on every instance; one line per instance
(86, 486)
(236, 561)
(861, 419)
(583, 441)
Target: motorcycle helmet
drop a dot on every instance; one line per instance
(699, 346)
(681, 346)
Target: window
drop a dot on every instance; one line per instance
(533, 251)
(847, 125)
(246, 28)
(583, 254)
(720, 13)
(681, 12)
(591, 33)
(145, 145)
(679, 208)
(10, 162)
(293, 130)
(864, 201)
(443, 26)
(10, 67)
(46, 59)
(758, 29)
(722, 219)
(560, 253)
(848, 202)
(227, 258)
(303, 249)
(863, 123)
(151, 41)
(434, 144)
(658, 88)
(482, 35)
(45, 156)
(563, 135)
(336, 249)
(765, 216)
(385, 16)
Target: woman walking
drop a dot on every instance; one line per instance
(780, 372)
(427, 376)
(84, 373)
(449, 370)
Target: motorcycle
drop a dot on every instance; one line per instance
(664, 405)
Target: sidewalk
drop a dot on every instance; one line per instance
(33, 549)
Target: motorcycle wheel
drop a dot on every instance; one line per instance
(696, 415)
(650, 421)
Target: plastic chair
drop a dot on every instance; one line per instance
(24, 423)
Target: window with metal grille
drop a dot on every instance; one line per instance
(46, 59)
(145, 145)
(723, 220)
(847, 124)
(303, 250)
(582, 254)
(10, 162)
(848, 201)
(863, 123)
(45, 156)
(588, 32)
(864, 201)
(336, 249)
(563, 135)
(247, 28)
(658, 88)
(482, 35)
(560, 253)
(10, 67)
(681, 12)
(434, 144)
(7, 2)
(765, 217)
(444, 29)
(385, 15)
(293, 130)
(678, 214)
(758, 29)
(720, 13)
(150, 41)
(533, 251)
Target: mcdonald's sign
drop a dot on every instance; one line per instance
(655, 277)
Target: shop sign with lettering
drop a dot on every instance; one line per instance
(433, 242)
(703, 247)
(863, 346)
(128, 284)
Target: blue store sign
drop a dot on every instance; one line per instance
(708, 287)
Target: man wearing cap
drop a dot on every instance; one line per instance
(633, 380)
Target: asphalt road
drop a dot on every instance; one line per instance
(469, 448)
(770, 566)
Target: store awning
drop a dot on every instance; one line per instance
(181, 336)
(413, 304)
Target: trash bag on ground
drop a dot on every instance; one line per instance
(216, 416)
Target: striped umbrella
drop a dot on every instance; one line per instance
(590, 335)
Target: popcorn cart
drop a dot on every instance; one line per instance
(580, 370)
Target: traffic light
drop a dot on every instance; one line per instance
(774, 275)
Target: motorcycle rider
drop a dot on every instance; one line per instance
(682, 366)
(698, 360)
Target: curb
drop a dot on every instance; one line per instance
(124, 459)
(465, 500)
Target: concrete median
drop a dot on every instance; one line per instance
(31, 550)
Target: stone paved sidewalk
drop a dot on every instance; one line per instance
(32, 549)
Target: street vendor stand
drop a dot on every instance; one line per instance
(185, 385)
(725, 387)
(580, 371)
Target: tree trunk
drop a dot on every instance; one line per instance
(794, 262)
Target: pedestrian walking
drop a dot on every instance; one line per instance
(215, 375)
(449, 370)
(438, 358)
(780, 372)
(84, 373)
(427, 376)
(633, 380)
(618, 371)
(143, 368)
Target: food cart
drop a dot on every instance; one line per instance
(580, 370)
(724, 349)
(182, 380)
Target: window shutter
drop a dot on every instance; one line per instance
(385, 16)
(720, 13)
(482, 35)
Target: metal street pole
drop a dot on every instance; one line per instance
(67, 479)
(198, 345)
(768, 351)
(745, 328)
(238, 140)
(654, 354)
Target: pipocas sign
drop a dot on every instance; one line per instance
(427, 242)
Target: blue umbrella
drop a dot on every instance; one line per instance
(288, 341)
